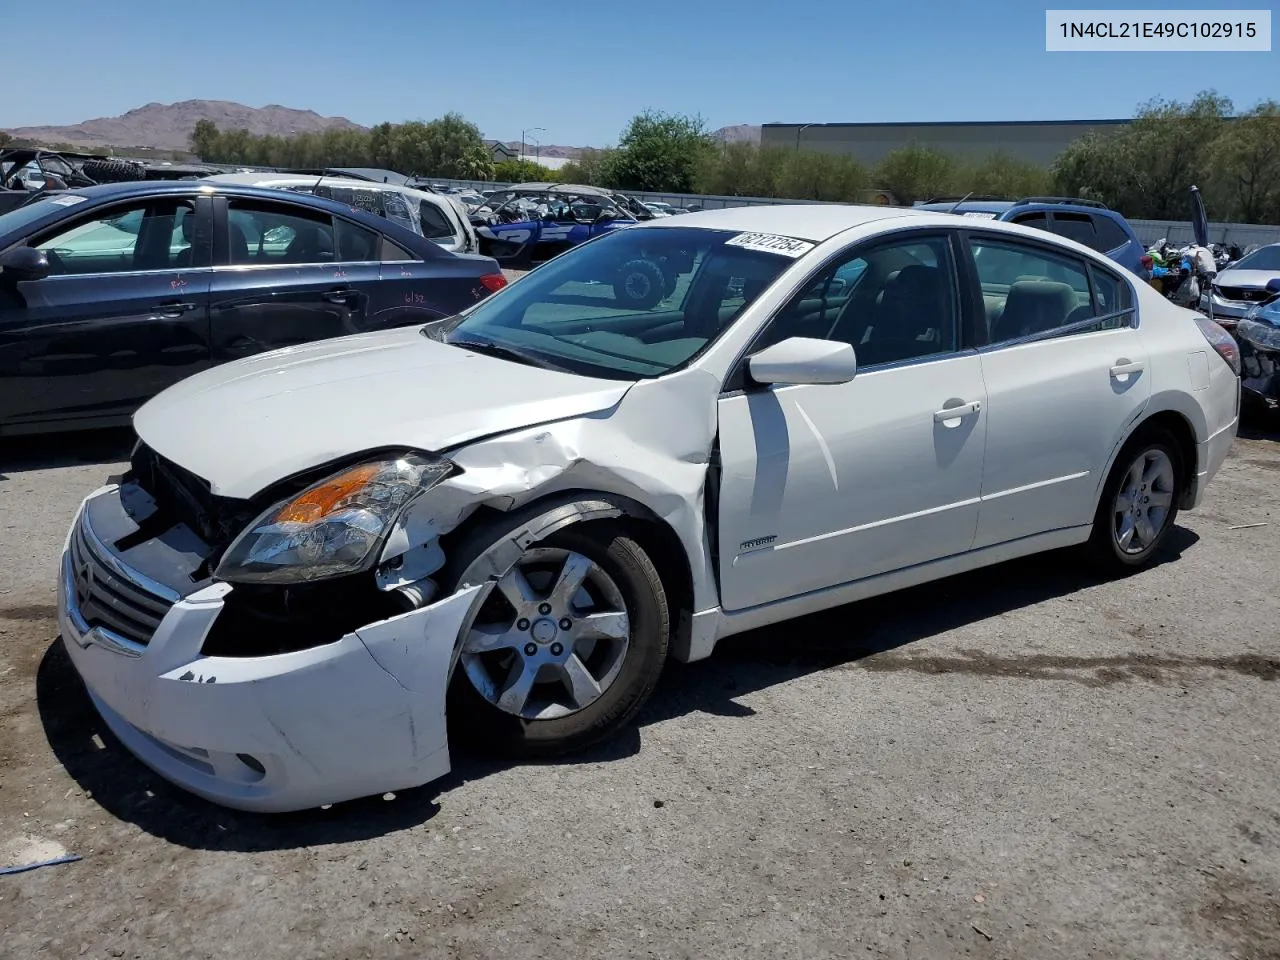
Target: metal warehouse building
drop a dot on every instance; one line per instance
(1033, 141)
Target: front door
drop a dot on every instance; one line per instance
(824, 485)
(1065, 370)
(287, 274)
(124, 314)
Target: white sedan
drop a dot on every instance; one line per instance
(530, 506)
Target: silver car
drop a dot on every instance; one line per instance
(1243, 285)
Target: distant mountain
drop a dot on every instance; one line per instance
(739, 133)
(168, 126)
(545, 150)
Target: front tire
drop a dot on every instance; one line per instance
(1139, 503)
(568, 646)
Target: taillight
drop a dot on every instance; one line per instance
(1222, 342)
(493, 282)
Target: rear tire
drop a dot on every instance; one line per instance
(1139, 503)
(640, 284)
(533, 682)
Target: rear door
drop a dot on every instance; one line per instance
(1066, 375)
(124, 314)
(285, 274)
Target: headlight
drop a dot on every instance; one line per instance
(334, 527)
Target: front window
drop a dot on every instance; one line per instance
(149, 235)
(1264, 258)
(636, 303)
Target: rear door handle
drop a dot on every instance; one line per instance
(340, 296)
(958, 412)
(1127, 368)
(176, 309)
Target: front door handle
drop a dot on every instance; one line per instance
(340, 296)
(176, 309)
(1126, 368)
(951, 416)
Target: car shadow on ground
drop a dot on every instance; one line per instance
(48, 451)
(763, 658)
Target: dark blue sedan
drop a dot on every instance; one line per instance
(111, 293)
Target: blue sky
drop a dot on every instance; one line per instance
(581, 70)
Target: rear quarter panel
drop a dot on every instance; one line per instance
(417, 292)
(1190, 379)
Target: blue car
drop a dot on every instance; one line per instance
(109, 294)
(1085, 221)
(531, 222)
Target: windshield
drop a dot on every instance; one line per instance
(638, 302)
(20, 218)
(1264, 258)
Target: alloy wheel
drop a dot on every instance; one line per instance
(551, 639)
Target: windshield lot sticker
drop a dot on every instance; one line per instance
(68, 201)
(770, 243)
(979, 215)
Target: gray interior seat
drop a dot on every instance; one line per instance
(1034, 306)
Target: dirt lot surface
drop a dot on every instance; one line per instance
(1017, 763)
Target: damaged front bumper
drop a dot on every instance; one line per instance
(362, 715)
(1259, 342)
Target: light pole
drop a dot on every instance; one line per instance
(802, 129)
(528, 131)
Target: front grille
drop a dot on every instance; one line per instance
(109, 599)
(1243, 294)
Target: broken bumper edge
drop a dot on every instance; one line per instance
(360, 716)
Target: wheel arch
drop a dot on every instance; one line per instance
(1179, 425)
(542, 517)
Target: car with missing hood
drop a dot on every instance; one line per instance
(532, 222)
(513, 517)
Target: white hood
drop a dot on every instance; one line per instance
(244, 425)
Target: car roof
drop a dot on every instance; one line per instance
(816, 222)
(969, 206)
(271, 180)
(110, 192)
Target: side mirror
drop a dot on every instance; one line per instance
(25, 263)
(1273, 285)
(604, 216)
(804, 360)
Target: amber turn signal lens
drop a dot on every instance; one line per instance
(318, 502)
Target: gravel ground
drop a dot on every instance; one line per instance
(1017, 763)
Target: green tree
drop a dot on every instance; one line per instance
(915, 172)
(205, 140)
(523, 171)
(660, 152)
(1246, 163)
(437, 148)
(591, 168)
(476, 164)
(1146, 168)
(1000, 175)
(812, 175)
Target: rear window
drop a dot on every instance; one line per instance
(1075, 226)
(1110, 235)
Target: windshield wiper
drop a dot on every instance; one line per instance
(489, 348)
